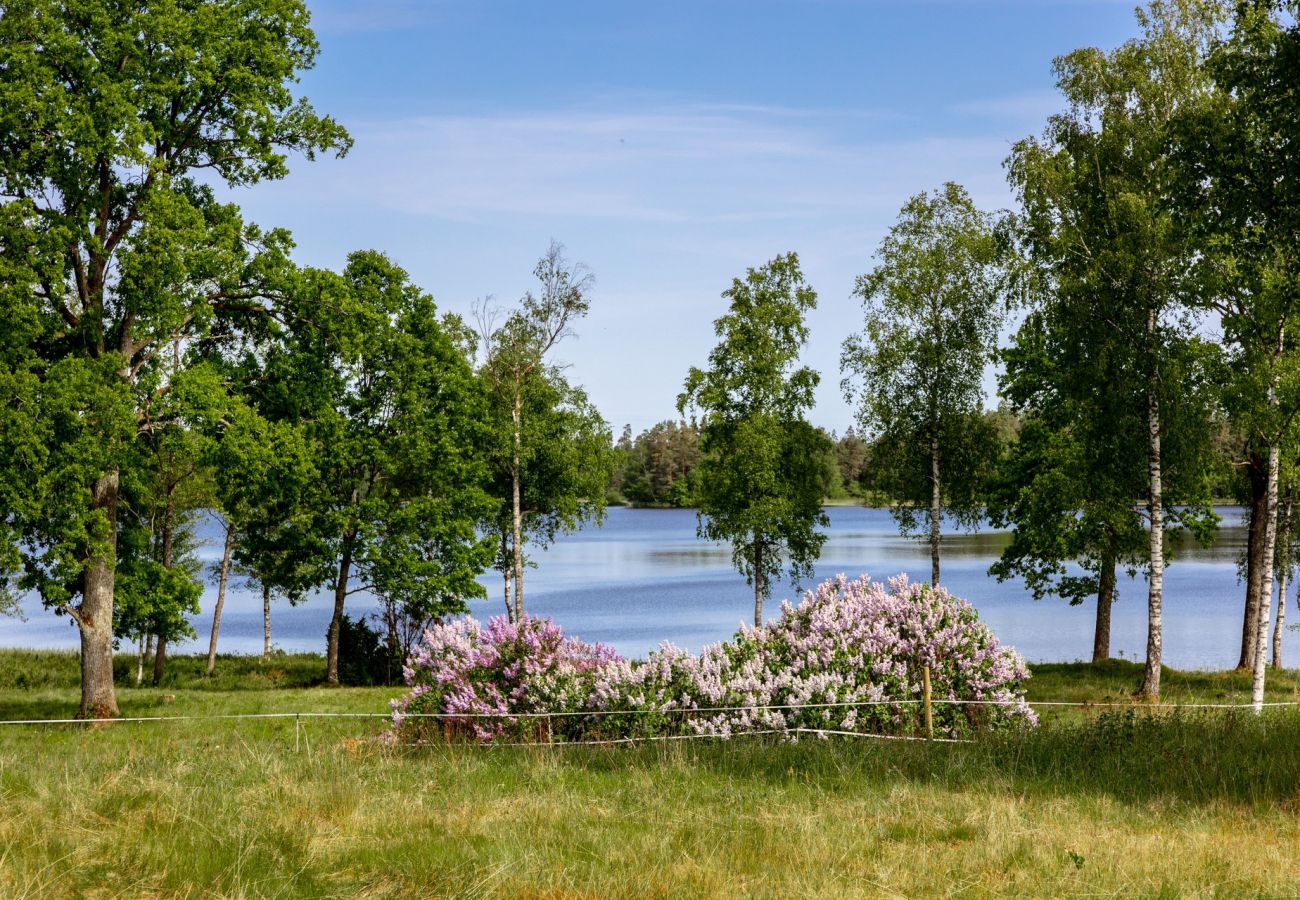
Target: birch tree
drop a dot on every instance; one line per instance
(1097, 190)
(531, 391)
(760, 475)
(933, 309)
(1239, 153)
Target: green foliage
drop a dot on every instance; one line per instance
(1108, 271)
(916, 371)
(659, 468)
(549, 448)
(760, 478)
(366, 658)
(114, 120)
(392, 486)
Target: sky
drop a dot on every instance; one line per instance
(669, 146)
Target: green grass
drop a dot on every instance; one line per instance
(1120, 803)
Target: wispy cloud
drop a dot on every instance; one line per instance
(691, 165)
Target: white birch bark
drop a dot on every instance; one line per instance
(1150, 689)
(1266, 588)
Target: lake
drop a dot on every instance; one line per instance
(643, 577)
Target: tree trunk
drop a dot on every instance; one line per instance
(160, 660)
(1283, 573)
(169, 512)
(336, 623)
(266, 621)
(758, 582)
(935, 511)
(1150, 688)
(221, 599)
(1105, 601)
(1257, 470)
(516, 511)
(95, 615)
(505, 575)
(139, 664)
(1266, 587)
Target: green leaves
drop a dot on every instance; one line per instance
(933, 308)
(760, 478)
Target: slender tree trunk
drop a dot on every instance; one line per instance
(1283, 576)
(758, 582)
(139, 664)
(160, 660)
(336, 623)
(1266, 588)
(95, 615)
(1150, 688)
(266, 621)
(516, 511)
(1257, 470)
(1281, 619)
(221, 599)
(148, 649)
(1105, 602)
(169, 513)
(506, 565)
(935, 511)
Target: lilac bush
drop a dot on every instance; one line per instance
(849, 658)
(486, 680)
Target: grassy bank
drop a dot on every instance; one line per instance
(1120, 802)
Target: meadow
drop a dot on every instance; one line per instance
(1117, 802)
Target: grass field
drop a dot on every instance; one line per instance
(1121, 803)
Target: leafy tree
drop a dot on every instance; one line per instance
(1067, 486)
(760, 478)
(1097, 193)
(932, 318)
(1239, 158)
(852, 453)
(265, 474)
(660, 467)
(394, 419)
(115, 119)
(556, 446)
(565, 469)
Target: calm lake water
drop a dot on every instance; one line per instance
(643, 578)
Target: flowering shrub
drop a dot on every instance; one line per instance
(482, 679)
(849, 657)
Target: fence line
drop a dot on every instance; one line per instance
(461, 716)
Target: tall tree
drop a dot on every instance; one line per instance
(760, 478)
(115, 119)
(1239, 154)
(521, 382)
(916, 371)
(1097, 190)
(395, 421)
(264, 475)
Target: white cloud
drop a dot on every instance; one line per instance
(666, 202)
(699, 165)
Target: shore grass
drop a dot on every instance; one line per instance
(1129, 802)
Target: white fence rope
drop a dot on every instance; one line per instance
(462, 716)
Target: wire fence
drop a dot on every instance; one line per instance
(299, 718)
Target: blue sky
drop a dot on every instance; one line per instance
(669, 146)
